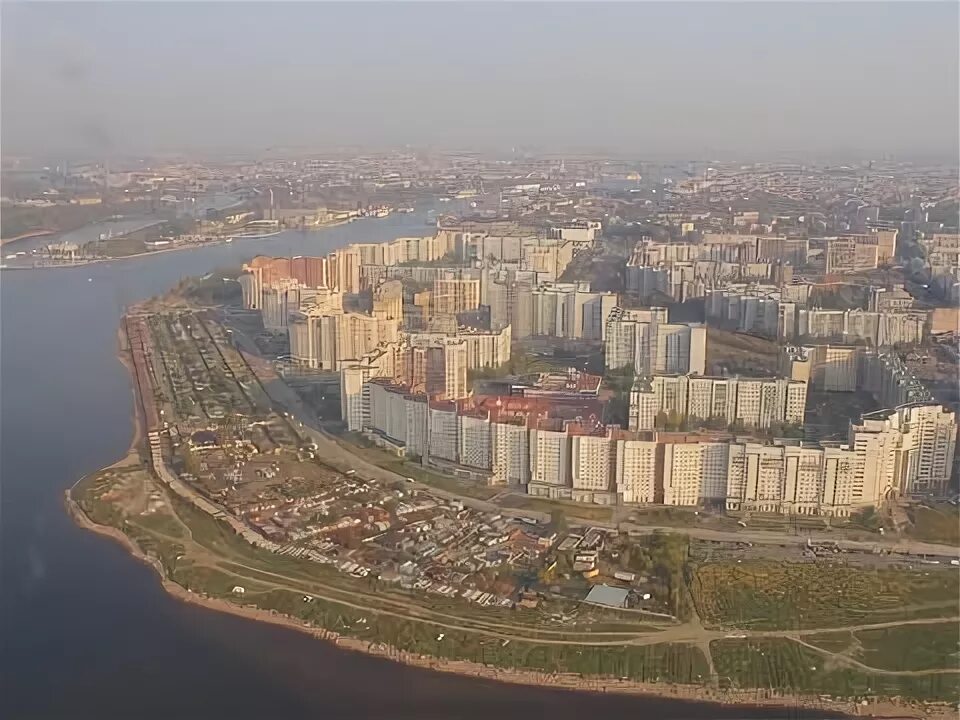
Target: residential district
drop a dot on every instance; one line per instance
(503, 408)
(423, 332)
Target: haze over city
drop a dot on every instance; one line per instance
(479, 360)
(747, 80)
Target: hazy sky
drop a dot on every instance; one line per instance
(683, 79)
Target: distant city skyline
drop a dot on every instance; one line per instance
(839, 81)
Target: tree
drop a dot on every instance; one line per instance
(674, 420)
(558, 518)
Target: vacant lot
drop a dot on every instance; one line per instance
(783, 664)
(769, 596)
(909, 647)
(735, 353)
(940, 524)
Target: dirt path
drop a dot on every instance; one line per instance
(691, 632)
(852, 628)
(845, 659)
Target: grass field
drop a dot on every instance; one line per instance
(785, 665)
(939, 524)
(649, 663)
(909, 647)
(764, 595)
(211, 560)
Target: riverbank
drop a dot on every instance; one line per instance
(222, 601)
(149, 253)
(26, 236)
(561, 681)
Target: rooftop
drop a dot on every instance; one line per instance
(607, 595)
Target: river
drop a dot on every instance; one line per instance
(85, 630)
(119, 226)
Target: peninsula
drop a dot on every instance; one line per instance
(243, 507)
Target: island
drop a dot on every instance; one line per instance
(243, 503)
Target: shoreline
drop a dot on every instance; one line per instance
(560, 681)
(148, 253)
(26, 236)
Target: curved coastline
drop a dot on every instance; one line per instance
(148, 253)
(694, 694)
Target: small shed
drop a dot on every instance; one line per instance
(607, 595)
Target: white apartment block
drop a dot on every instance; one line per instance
(455, 370)
(355, 397)
(323, 339)
(694, 472)
(643, 339)
(879, 329)
(549, 459)
(484, 349)
(416, 426)
(636, 471)
(476, 446)
(511, 454)
(753, 402)
(908, 450)
(388, 412)
(620, 343)
(569, 310)
(790, 479)
(443, 433)
(590, 462)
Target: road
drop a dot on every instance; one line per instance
(332, 452)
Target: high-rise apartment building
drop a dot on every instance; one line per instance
(476, 440)
(455, 293)
(694, 472)
(324, 340)
(850, 254)
(636, 473)
(790, 479)
(908, 451)
(511, 453)
(752, 402)
(643, 339)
